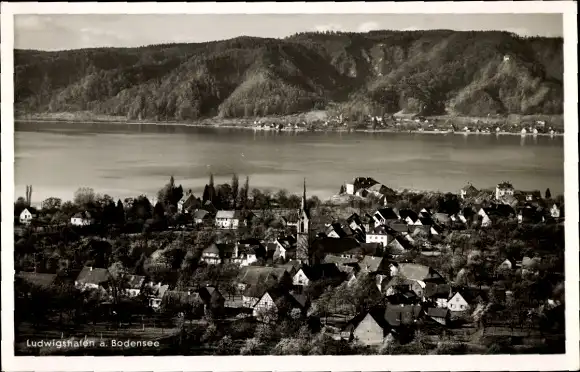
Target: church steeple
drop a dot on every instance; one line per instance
(303, 206)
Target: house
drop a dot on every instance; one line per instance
(275, 302)
(398, 245)
(228, 219)
(368, 328)
(370, 264)
(385, 215)
(82, 219)
(458, 303)
(134, 285)
(262, 275)
(437, 293)
(468, 191)
(36, 279)
(320, 247)
(398, 227)
(218, 253)
(26, 216)
(484, 214)
(343, 263)
(349, 188)
(379, 235)
(188, 203)
(156, 293)
(441, 218)
(291, 267)
(402, 315)
(212, 298)
(92, 278)
(250, 251)
(438, 314)
(502, 189)
(355, 222)
(308, 274)
(336, 230)
(408, 216)
(285, 248)
(555, 211)
(201, 216)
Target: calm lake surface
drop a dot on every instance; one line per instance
(129, 160)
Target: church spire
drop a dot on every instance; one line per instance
(304, 196)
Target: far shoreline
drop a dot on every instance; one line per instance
(250, 127)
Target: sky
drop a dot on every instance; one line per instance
(64, 31)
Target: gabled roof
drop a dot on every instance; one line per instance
(279, 295)
(437, 312)
(200, 214)
(212, 249)
(337, 260)
(210, 295)
(370, 263)
(228, 214)
(505, 185)
(469, 189)
(435, 290)
(406, 212)
(378, 315)
(415, 271)
(333, 245)
(397, 315)
(85, 215)
(387, 214)
(95, 275)
(37, 279)
(253, 275)
(399, 226)
(321, 271)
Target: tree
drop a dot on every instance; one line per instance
(120, 213)
(244, 193)
(51, 204)
(170, 194)
(235, 190)
(84, 197)
(159, 211)
(211, 189)
(342, 190)
(548, 194)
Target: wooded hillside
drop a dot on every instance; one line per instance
(427, 72)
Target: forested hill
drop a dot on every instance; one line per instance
(428, 72)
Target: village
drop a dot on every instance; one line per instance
(381, 272)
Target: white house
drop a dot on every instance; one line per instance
(503, 189)
(485, 220)
(26, 216)
(300, 279)
(349, 188)
(82, 219)
(378, 237)
(458, 303)
(555, 211)
(228, 219)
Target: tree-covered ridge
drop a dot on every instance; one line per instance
(429, 72)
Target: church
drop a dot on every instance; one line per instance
(303, 236)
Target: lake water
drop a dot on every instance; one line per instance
(129, 160)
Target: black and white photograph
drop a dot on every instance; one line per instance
(277, 184)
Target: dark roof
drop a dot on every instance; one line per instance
(354, 218)
(469, 189)
(255, 291)
(426, 221)
(415, 271)
(505, 185)
(399, 226)
(200, 214)
(279, 295)
(210, 295)
(437, 290)
(37, 279)
(333, 245)
(397, 315)
(378, 315)
(387, 214)
(93, 275)
(321, 271)
(437, 312)
(404, 213)
(253, 275)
